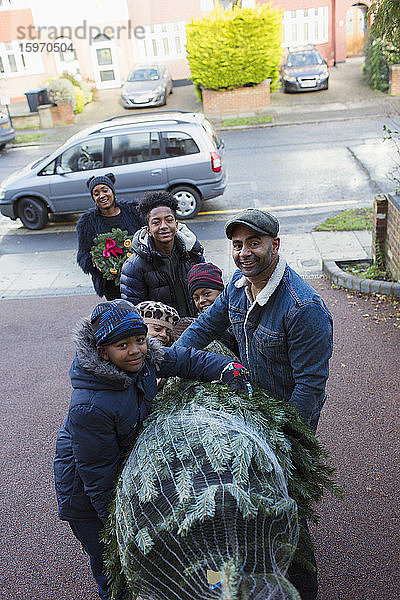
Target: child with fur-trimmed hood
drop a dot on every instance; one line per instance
(113, 376)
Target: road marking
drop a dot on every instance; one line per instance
(283, 208)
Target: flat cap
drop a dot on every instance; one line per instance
(259, 220)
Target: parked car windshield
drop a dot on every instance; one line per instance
(306, 59)
(144, 75)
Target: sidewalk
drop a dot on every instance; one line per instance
(57, 274)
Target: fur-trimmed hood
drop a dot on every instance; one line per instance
(91, 362)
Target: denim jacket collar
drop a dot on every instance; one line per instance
(262, 297)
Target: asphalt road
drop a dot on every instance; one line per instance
(357, 539)
(302, 172)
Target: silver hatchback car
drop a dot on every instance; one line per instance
(175, 151)
(146, 85)
(7, 133)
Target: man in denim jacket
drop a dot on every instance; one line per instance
(282, 326)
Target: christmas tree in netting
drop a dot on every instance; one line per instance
(209, 501)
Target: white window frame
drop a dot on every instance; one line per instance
(206, 5)
(305, 26)
(27, 63)
(72, 64)
(161, 42)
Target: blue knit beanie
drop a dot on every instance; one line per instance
(108, 179)
(113, 321)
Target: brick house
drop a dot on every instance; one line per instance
(336, 27)
(101, 41)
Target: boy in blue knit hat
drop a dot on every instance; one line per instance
(113, 376)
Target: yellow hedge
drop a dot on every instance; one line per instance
(235, 47)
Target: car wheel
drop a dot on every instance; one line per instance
(2, 146)
(33, 213)
(189, 201)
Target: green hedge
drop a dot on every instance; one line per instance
(379, 54)
(235, 47)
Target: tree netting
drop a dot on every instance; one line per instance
(209, 501)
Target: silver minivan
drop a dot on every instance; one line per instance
(175, 151)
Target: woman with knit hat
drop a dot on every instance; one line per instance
(113, 376)
(106, 215)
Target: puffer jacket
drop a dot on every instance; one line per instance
(285, 336)
(91, 224)
(144, 276)
(106, 411)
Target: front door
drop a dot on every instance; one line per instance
(356, 28)
(106, 72)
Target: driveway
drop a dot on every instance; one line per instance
(357, 539)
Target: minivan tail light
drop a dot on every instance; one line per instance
(216, 162)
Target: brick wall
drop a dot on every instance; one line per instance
(392, 250)
(394, 79)
(386, 231)
(240, 101)
(380, 224)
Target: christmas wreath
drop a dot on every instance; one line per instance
(110, 251)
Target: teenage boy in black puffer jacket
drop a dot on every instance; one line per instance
(163, 254)
(113, 376)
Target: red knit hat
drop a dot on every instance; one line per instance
(205, 275)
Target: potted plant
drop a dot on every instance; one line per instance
(61, 93)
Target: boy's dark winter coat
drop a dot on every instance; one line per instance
(91, 224)
(107, 408)
(144, 276)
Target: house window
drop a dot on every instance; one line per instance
(206, 5)
(305, 26)
(15, 62)
(165, 41)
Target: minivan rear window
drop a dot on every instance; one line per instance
(178, 143)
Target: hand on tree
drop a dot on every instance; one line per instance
(236, 376)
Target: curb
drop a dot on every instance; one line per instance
(359, 284)
(45, 293)
(311, 121)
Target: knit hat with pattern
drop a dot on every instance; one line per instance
(158, 313)
(113, 321)
(205, 275)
